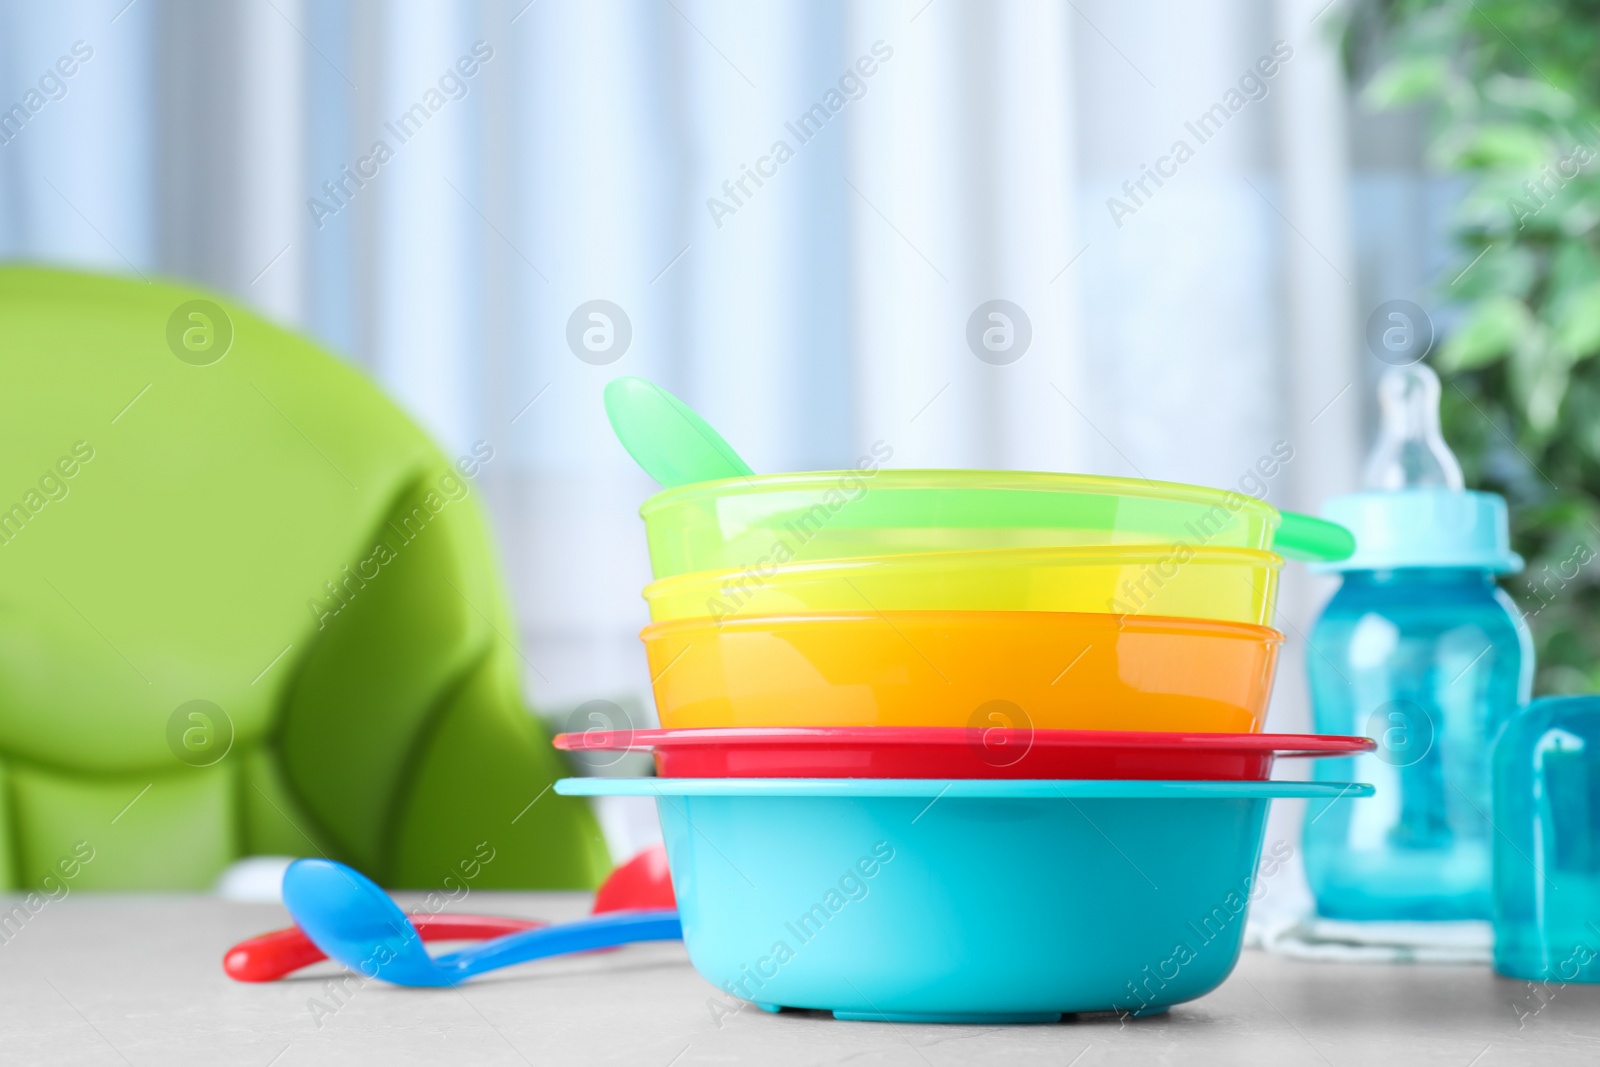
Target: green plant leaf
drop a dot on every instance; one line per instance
(1573, 265)
(1490, 332)
(1407, 80)
(1546, 390)
(1540, 372)
(1506, 144)
(1577, 324)
(1529, 94)
(1506, 269)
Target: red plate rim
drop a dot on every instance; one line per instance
(778, 736)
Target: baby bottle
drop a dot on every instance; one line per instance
(1421, 651)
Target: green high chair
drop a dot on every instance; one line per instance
(246, 607)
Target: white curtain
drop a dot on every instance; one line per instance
(807, 314)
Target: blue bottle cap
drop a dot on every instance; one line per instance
(1427, 527)
(1415, 511)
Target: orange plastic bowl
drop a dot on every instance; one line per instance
(1046, 670)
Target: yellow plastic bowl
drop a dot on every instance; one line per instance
(977, 669)
(1183, 582)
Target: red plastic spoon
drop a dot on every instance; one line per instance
(642, 882)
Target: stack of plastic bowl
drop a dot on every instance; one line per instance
(962, 745)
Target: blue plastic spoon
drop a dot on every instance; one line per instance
(353, 921)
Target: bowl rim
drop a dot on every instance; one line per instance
(936, 478)
(987, 788)
(972, 559)
(1177, 624)
(769, 737)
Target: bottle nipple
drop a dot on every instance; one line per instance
(1410, 452)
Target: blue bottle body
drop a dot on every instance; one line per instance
(1547, 853)
(1429, 662)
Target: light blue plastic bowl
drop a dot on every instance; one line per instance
(962, 901)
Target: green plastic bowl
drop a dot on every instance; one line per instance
(764, 520)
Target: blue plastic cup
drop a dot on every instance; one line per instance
(1547, 849)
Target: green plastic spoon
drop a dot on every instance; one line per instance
(1305, 537)
(665, 437)
(677, 447)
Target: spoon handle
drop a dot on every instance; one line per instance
(1317, 540)
(597, 931)
(268, 957)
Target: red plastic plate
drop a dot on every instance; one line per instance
(945, 752)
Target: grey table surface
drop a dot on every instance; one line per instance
(114, 979)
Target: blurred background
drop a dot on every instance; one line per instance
(1198, 209)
